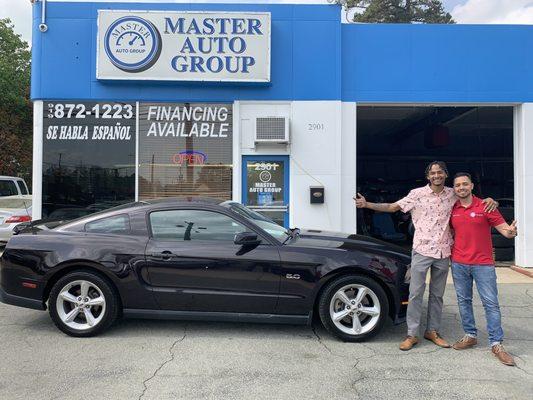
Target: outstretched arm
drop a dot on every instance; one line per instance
(361, 202)
(509, 231)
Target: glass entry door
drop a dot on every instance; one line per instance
(265, 183)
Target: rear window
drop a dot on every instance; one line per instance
(22, 187)
(15, 203)
(115, 224)
(8, 188)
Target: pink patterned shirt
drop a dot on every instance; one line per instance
(430, 212)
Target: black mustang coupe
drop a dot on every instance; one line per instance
(202, 259)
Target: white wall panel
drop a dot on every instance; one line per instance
(316, 140)
(316, 161)
(37, 176)
(325, 216)
(348, 166)
(322, 152)
(523, 181)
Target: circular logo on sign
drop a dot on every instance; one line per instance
(132, 44)
(472, 214)
(265, 176)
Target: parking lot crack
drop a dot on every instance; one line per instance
(361, 374)
(529, 294)
(172, 355)
(320, 340)
(524, 362)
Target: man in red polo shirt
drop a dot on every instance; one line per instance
(472, 261)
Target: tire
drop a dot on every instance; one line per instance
(90, 319)
(374, 300)
(506, 254)
(500, 241)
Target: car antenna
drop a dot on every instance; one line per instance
(27, 212)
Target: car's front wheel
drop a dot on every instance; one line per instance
(353, 307)
(83, 304)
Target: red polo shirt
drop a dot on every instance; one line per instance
(473, 241)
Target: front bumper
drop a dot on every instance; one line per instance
(20, 301)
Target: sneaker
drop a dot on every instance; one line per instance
(408, 343)
(437, 339)
(465, 343)
(503, 356)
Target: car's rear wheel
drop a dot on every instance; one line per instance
(353, 307)
(83, 304)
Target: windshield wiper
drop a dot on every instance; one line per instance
(292, 234)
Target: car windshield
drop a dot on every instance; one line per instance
(260, 220)
(7, 202)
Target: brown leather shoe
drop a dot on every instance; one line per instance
(435, 338)
(502, 355)
(408, 343)
(465, 343)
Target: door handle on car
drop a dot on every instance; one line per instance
(164, 255)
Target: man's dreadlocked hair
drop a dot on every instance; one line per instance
(441, 164)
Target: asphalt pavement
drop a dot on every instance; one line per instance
(159, 360)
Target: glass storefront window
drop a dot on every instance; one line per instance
(88, 157)
(185, 149)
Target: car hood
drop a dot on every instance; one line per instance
(344, 241)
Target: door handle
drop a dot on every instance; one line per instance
(164, 255)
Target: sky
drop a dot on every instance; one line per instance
(463, 11)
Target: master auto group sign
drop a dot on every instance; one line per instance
(183, 46)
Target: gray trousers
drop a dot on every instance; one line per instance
(439, 272)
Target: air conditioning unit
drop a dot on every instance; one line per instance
(272, 130)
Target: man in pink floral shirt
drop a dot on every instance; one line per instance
(430, 207)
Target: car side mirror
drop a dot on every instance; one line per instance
(246, 239)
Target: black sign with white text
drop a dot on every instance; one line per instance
(105, 121)
(88, 156)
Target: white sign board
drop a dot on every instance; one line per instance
(183, 46)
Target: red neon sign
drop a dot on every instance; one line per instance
(189, 157)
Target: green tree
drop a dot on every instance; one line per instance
(15, 105)
(398, 11)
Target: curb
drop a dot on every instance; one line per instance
(525, 271)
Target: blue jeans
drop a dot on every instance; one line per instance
(485, 278)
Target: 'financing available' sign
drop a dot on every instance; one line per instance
(183, 46)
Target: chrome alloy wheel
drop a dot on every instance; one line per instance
(81, 305)
(355, 309)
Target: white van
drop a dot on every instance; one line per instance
(12, 186)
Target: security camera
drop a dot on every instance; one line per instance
(43, 27)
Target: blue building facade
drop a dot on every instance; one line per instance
(321, 71)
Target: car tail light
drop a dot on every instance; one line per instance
(17, 218)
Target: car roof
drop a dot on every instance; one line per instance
(16, 178)
(142, 204)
